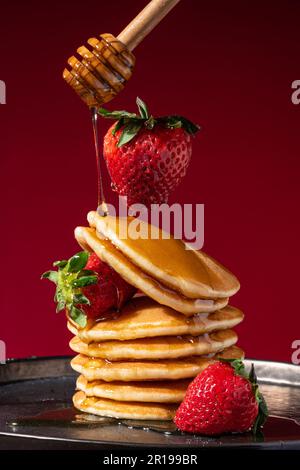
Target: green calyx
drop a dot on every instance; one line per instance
(240, 369)
(69, 278)
(132, 123)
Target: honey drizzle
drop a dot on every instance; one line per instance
(101, 204)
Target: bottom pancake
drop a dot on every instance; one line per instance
(156, 392)
(128, 371)
(122, 409)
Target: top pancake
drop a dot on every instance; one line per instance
(191, 273)
(107, 252)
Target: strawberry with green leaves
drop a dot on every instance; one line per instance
(87, 287)
(147, 157)
(224, 398)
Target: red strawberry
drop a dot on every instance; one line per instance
(110, 292)
(88, 287)
(147, 157)
(222, 399)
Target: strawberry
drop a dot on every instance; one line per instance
(87, 287)
(222, 399)
(147, 157)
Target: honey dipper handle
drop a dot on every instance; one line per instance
(145, 21)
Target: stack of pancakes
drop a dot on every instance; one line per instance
(137, 363)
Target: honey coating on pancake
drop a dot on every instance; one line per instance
(107, 252)
(124, 410)
(157, 392)
(193, 274)
(151, 319)
(163, 347)
(128, 371)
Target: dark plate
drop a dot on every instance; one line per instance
(32, 386)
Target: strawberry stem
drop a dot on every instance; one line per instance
(132, 123)
(69, 279)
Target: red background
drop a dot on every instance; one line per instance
(226, 65)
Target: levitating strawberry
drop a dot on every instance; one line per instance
(88, 287)
(222, 399)
(147, 157)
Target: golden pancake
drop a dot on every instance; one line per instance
(128, 371)
(122, 409)
(105, 250)
(163, 347)
(144, 318)
(156, 392)
(191, 273)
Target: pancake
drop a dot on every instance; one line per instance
(156, 392)
(107, 252)
(163, 347)
(144, 318)
(121, 409)
(128, 371)
(191, 273)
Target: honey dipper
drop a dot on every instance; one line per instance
(105, 67)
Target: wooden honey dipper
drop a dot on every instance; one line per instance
(107, 65)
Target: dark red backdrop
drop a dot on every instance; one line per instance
(228, 66)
